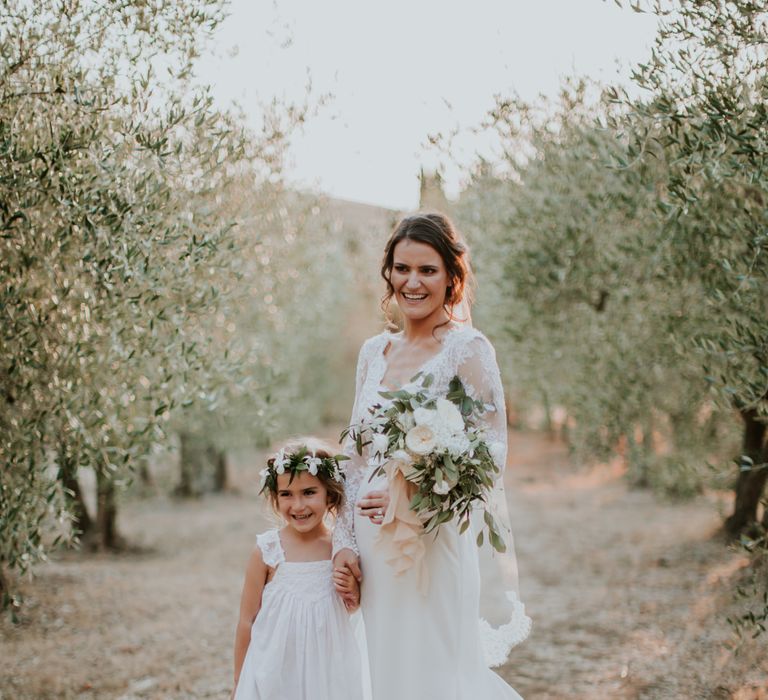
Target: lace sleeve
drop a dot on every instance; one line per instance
(344, 529)
(504, 623)
(480, 375)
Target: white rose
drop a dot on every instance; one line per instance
(280, 469)
(420, 440)
(379, 443)
(441, 488)
(498, 453)
(457, 445)
(441, 436)
(450, 415)
(424, 416)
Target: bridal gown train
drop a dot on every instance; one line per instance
(425, 646)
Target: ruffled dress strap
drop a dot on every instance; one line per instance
(271, 549)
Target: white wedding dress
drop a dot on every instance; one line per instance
(427, 647)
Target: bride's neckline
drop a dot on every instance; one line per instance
(388, 335)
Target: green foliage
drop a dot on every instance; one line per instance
(112, 253)
(625, 244)
(752, 590)
(582, 305)
(156, 275)
(282, 322)
(706, 119)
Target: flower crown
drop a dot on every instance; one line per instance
(302, 460)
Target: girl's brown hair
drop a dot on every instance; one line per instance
(323, 450)
(438, 232)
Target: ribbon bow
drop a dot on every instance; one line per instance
(400, 534)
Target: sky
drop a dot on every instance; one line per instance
(398, 71)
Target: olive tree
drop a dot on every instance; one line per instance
(110, 253)
(705, 116)
(580, 301)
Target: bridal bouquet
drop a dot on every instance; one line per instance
(440, 449)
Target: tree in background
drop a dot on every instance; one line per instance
(586, 316)
(112, 257)
(282, 327)
(626, 240)
(705, 117)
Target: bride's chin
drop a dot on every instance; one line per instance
(417, 314)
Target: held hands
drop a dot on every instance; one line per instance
(347, 577)
(374, 505)
(348, 588)
(346, 564)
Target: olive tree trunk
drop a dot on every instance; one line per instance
(107, 536)
(751, 482)
(81, 519)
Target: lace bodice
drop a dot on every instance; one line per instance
(465, 352)
(310, 580)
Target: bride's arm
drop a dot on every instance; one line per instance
(345, 552)
(480, 375)
(509, 625)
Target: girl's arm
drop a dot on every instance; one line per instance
(256, 573)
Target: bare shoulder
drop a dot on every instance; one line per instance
(256, 567)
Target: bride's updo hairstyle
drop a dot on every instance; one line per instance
(437, 231)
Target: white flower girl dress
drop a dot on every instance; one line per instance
(302, 642)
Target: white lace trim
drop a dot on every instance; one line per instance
(271, 549)
(497, 642)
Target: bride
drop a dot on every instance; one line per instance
(422, 623)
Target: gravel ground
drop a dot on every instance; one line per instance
(628, 594)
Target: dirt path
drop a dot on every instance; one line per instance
(628, 597)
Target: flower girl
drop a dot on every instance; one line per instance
(294, 638)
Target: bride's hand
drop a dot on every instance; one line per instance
(373, 505)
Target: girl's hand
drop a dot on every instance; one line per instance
(374, 505)
(347, 563)
(348, 588)
(346, 558)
